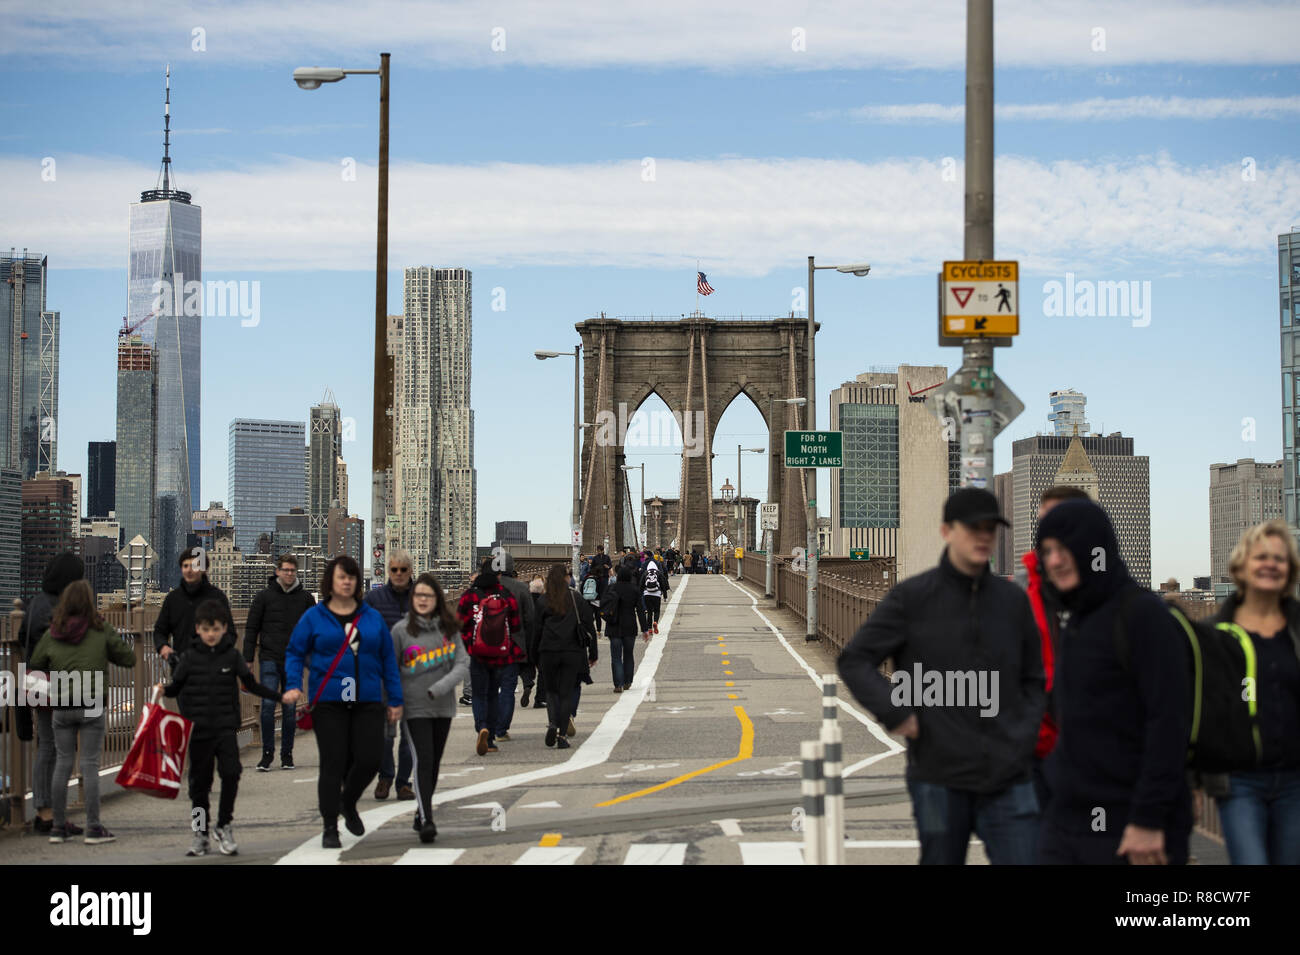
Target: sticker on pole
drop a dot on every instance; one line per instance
(979, 299)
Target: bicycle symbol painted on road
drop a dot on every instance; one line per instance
(674, 709)
(784, 712)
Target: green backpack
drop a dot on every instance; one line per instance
(1225, 733)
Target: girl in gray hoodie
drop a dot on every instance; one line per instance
(432, 660)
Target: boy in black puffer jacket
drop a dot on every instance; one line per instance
(209, 697)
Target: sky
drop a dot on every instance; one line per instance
(582, 158)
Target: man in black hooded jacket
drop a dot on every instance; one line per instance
(1116, 776)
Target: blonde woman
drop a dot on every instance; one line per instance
(1260, 811)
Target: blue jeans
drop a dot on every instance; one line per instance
(506, 697)
(1007, 822)
(1261, 818)
(486, 699)
(271, 676)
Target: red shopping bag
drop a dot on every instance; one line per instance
(157, 755)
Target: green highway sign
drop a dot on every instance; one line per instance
(859, 553)
(814, 449)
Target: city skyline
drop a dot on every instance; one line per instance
(1203, 134)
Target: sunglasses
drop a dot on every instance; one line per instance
(399, 570)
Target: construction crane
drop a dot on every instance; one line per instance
(127, 329)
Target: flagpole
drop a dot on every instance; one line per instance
(697, 286)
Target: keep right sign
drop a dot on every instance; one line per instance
(980, 299)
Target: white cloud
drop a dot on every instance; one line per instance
(744, 216)
(725, 34)
(1088, 110)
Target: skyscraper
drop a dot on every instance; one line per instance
(324, 450)
(436, 485)
(265, 475)
(898, 469)
(165, 307)
(136, 404)
(1123, 483)
(49, 527)
(11, 536)
(1067, 412)
(29, 367)
(101, 477)
(1288, 281)
(1241, 495)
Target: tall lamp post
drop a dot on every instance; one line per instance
(742, 526)
(643, 536)
(728, 495)
(381, 447)
(771, 542)
(859, 269)
(576, 529)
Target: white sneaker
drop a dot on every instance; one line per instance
(225, 836)
(199, 845)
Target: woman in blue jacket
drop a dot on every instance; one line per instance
(348, 715)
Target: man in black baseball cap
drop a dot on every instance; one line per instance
(967, 691)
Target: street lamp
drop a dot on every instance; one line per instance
(576, 530)
(642, 532)
(381, 447)
(859, 269)
(742, 526)
(771, 541)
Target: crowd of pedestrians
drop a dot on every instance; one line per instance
(1107, 708)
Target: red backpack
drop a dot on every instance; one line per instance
(491, 636)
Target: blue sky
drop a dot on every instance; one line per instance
(1163, 158)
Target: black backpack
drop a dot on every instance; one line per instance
(1225, 733)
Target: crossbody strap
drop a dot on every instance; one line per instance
(347, 639)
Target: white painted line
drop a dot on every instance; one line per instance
(876, 730)
(594, 751)
(730, 827)
(652, 853)
(550, 804)
(771, 853)
(309, 779)
(550, 855)
(430, 857)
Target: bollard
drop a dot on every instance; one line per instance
(833, 783)
(833, 767)
(814, 826)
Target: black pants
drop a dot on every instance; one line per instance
(350, 737)
(426, 737)
(527, 675)
(1073, 841)
(561, 670)
(223, 752)
(651, 610)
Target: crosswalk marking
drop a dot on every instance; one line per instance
(771, 853)
(550, 855)
(430, 857)
(660, 853)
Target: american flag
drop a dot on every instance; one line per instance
(702, 284)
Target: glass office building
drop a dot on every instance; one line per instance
(265, 475)
(1067, 414)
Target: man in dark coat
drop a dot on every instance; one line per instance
(174, 632)
(393, 601)
(967, 691)
(270, 623)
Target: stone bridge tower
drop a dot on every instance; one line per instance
(697, 366)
